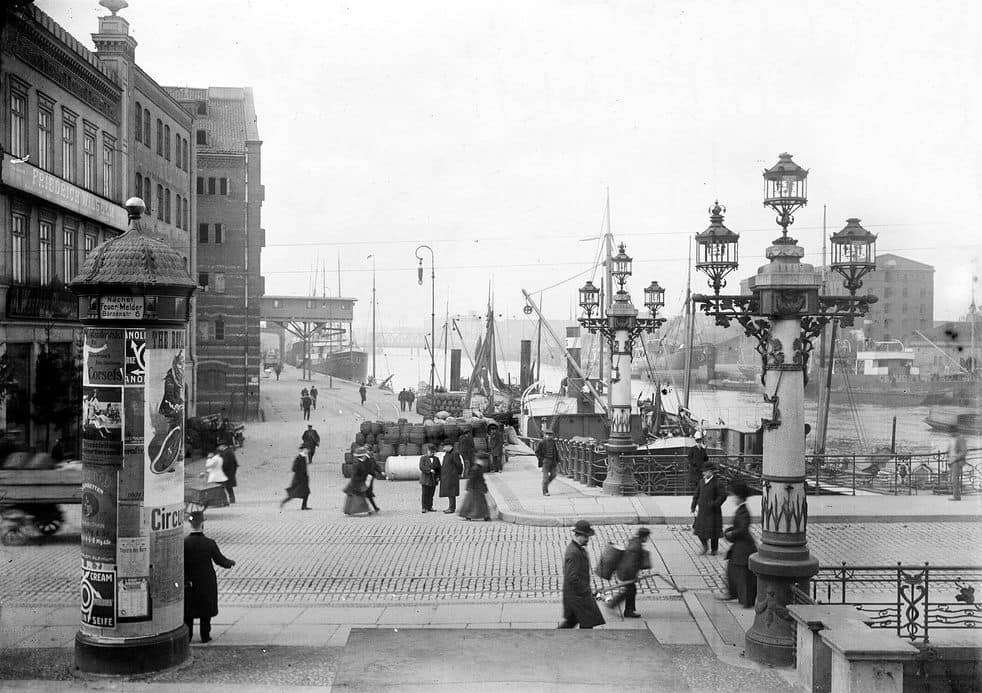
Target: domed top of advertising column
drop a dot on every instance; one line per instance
(134, 278)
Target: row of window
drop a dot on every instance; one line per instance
(142, 133)
(44, 150)
(216, 186)
(212, 281)
(168, 211)
(211, 330)
(905, 309)
(44, 245)
(218, 237)
(888, 291)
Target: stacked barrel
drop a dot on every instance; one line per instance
(387, 439)
(428, 406)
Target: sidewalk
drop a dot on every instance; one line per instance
(517, 493)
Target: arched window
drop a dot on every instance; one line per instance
(138, 122)
(167, 205)
(148, 191)
(160, 137)
(167, 142)
(160, 202)
(139, 186)
(177, 211)
(146, 127)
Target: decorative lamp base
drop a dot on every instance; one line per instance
(772, 637)
(133, 655)
(620, 471)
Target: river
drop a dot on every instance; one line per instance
(864, 429)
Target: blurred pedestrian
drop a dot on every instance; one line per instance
(475, 503)
(363, 391)
(466, 444)
(215, 477)
(579, 605)
(358, 488)
(300, 483)
(709, 497)
(429, 473)
(305, 402)
(310, 440)
(548, 459)
(450, 470)
(402, 400)
(230, 467)
(200, 582)
(496, 446)
(633, 561)
(957, 452)
(410, 398)
(741, 583)
(313, 396)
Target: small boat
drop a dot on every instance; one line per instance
(967, 422)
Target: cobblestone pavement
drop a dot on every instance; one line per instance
(402, 555)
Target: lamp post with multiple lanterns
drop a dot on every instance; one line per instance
(784, 313)
(620, 327)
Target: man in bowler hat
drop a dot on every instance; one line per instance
(579, 605)
(200, 582)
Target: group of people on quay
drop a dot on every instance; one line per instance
(308, 401)
(406, 398)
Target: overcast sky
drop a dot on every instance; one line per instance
(491, 130)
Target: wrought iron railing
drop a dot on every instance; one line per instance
(668, 474)
(913, 600)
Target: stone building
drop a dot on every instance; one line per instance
(61, 189)
(905, 289)
(229, 239)
(157, 154)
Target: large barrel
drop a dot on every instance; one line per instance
(402, 468)
(377, 427)
(451, 432)
(412, 449)
(434, 433)
(366, 427)
(417, 434)
(386, 450)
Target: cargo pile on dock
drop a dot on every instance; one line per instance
(429, 406)
(390, 438)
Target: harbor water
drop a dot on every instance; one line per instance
(865, 428)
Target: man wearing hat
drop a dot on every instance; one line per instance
(548, 459)
(200, 582)
(634, 560)
(579, 606)
(310, 440)
(709, 496)
(496, 446)
(697, 458)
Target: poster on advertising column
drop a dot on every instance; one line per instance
(164, 451)
(102, 357)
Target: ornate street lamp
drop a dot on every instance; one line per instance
(620, 327)
(853, 254)
(784, 313)
(419, 276)
(716, 249)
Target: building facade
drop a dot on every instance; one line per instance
(61, 189)
(157, 155)
(905, 289)
(229, 239)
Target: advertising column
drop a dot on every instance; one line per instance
(132, 582)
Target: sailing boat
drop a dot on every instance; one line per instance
(333, 356)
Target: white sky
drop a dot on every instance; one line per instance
(490, 131)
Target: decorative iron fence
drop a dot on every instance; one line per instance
(913, 600)
(668, 474)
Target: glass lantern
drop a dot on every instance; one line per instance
(785, 189)
(589, 298)
(654, 297)
(717, 249)
(853, 254)
(621, 266)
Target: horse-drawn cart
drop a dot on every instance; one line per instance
(29, 500)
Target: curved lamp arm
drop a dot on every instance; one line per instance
(419, 257)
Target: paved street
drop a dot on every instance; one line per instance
(321, 557)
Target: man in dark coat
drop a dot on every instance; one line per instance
(313, 396)
(450, 470)
(741, 583)
(410, 398)
(230, 467)
(466, 443)
(634, 560)
(496, 447)
(200, 583)
(300, 484)
(429, 473)
(402, 399)
(697, 459)
(548, 459)
(305, 404)
(709, 498)
(579, 605)
(311, 439)
(363, 391)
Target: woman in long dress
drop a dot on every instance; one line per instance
(475, 504)
(357, 490)
(300, 483)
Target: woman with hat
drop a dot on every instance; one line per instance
(300, 483)
(475, 505)
(358, 492)
(741, 583)
(709, 498)
(579, 605)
